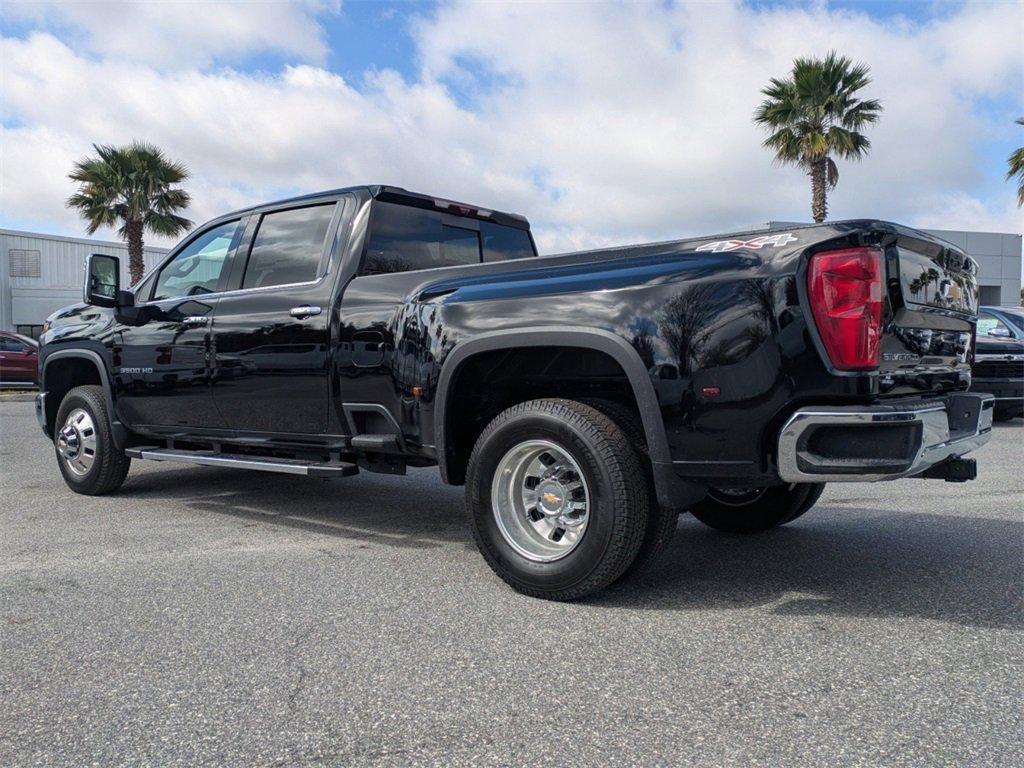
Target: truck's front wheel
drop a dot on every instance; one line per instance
(557, 499)
(86, 454)
(752, 510)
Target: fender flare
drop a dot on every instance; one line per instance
(667, 483)
(118, 430)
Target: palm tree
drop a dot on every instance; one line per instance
(131, 186)
(813, 115)
(1016, 163)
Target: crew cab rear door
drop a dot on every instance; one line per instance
(271, 330)
(386, 349)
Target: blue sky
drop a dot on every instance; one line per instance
(603, 122)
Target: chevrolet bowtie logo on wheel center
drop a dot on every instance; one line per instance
(551, 498)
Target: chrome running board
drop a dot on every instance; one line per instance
(242, 461)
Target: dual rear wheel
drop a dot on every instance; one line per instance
(561, 499)
(753, 510)
(558, 499)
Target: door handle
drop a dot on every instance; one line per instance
(304, 311)
(196, 320)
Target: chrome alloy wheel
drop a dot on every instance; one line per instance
(76, 442)
(540, 500)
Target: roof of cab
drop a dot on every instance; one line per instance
(386, 193)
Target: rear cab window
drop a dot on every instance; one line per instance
(501, 243)
(404, 238)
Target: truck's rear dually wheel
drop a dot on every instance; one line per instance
(557, 498)
(752, 510)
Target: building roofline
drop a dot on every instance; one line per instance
(970, 231)
(80, 240)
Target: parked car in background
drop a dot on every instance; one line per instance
(999, 360)
(19, 360)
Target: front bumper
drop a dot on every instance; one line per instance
(881, 442)
(1005, 391)
(41, 413)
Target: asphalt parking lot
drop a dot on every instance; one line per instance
(213, 617)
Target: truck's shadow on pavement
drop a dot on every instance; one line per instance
(837, 561)
(397, 512)
(843, 561)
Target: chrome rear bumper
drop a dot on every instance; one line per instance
(881, 442)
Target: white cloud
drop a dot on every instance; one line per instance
(958, 210)
(602, 123)
(187, 35)
(33, 177)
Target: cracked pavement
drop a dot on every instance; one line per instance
(209, 616)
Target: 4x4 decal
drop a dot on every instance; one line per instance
(720, 246)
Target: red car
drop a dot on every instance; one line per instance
(19, 359)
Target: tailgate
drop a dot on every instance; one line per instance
(933, 304)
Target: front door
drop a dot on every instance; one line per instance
(271, 334)
(160, 362)
(160, 367)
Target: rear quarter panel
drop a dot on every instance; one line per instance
(696, 320)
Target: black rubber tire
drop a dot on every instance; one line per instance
(619, 498)
(812, 498)
(111, 465)
(661, 522)
(775, 506)
(1001, 415)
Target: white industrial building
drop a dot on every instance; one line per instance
(999, 260)
(39, 273)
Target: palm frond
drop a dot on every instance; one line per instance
(815, 113)
(831, 173)
(167, 224)
(1015, 167)
(133, 183)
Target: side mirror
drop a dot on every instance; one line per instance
(1001, 333)
(103, 282)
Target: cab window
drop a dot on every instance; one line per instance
(502, 243)
(11, 345)
(196, 269)
(990, 325)
(288, 246)
(459, 245)
(403, 238)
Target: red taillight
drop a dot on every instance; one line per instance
(845, 289)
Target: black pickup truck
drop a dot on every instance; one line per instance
(583, 399)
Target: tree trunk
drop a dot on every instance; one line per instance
(136, 266)
(819, 202)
